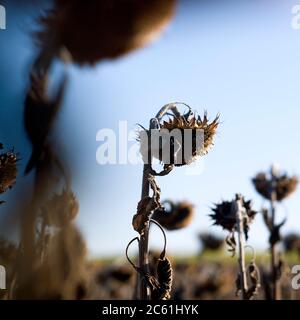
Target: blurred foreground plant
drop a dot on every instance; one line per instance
(51, 252)
(99, 30)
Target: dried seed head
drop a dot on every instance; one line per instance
(225, 215)
(8, 170)
(195, 123)
(178, 216)
(291, 243)
(283, 185)
(183, 139)
(210, 242)
(104, 29)
(61, 209)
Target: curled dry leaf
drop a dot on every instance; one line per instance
(267, 219)
(230, 241)
(146, 206)
(275, 235)
(254, 275)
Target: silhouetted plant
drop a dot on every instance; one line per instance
(171, 151)
(275, 187)
(236, 217)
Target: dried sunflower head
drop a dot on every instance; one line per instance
(210, 241)
(104, 29)
(61, 209)
(180, 140)
(178, 216)
(8, 170)
(282, 184)
(225, 215)
(291, 242)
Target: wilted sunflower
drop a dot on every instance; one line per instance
(210, 241)
(8, 170)
(182, 139)
(178, 216)
(225, 215)
(291, 243)
(103, 29)
(60, 209)
(284, 185)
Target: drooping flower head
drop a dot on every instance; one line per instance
(180, 139)
(177, 216)
(282, 184)
(103, 29)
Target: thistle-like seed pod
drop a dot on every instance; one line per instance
(8, 170)
(103, 29)
(183, 138)
(225, 215)
(282, 184)
(177, 217)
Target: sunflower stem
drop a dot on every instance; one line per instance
(242, 243)
(143, 292)
(273, 252)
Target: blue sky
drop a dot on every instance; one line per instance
(240, 59)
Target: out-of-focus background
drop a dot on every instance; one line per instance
(239, 58)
